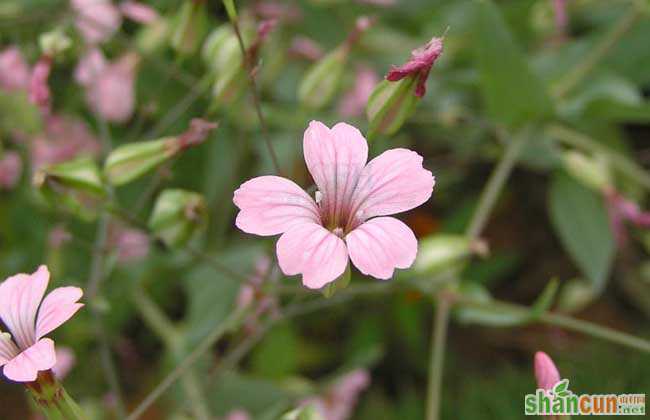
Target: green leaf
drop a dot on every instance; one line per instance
(277, 354)
(580, 220)
(17, 113)
(561, 389)
(512, 93)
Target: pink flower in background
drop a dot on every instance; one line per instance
(561, 17)
(319, 236)
(130, 244)
(65, 361)
(97, 20)
(384, 3)
(64, 138)
(419, 65)
(277, 10)
(58, 236)
(305, 48)
(14, 70)
(90, 67)
(252, 294)
(354, 102)
(546, 373)
(10, 169)
(111, 93)
(237, 415)
(23, 350)
(340, 399)
(139, 12)
(622, 210)
(39, 90)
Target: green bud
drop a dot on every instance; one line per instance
(221, 49)
(575, 295)
(54, 42)
(151, 37)
(593, 172)
(75, 185)
(339, 284)
(190, 26)
(307, 412)
(177, 216)
(321, 81)
(390, 104)
(131, 161)
(443, 251)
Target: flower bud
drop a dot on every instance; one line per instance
(443, 251)
(390, 104)
(546, 373)
(190, 26)
(593, 172)
(321, 81)
(177, 216)
(74, 185)
(575, 295)
(129, 162)
(153, 36)
(54, 43)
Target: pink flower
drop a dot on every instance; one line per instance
(354, 102)
(23, 350)
(112, 92)
(546, 373)
(306, 48)
(14, 70)
(39, 91)
(561, 17)
(58, 236)
(130, 244)
(10, 168)
(237, 415)
(622, 210)
(139, 12)
(419, 65)
(252, 294)
(97, 20)
(340, 399)
(89, 67)
(319, 236)
(64, 138)
(65, 360)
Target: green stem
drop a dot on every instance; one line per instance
(168, 333)
(582, 141)
(56, 404)
(436, 363)
(620, 28)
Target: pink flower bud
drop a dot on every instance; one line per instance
(546, 373)
(14, 71)
(561, 17)
(39, 91)
(58, 236)
(139, 12)
(275, 10)
(622, 210)
(10, 168)
(419, 65)
(97, 20)
(354, 102)
(305, 48)
(130, 244)
(112, 94)
(237, 415)
(340, 399)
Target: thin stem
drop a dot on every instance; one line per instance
(582, 141)
(496, 183)
(436, 363)
(253, 85)
(620, 28)
(233, 319)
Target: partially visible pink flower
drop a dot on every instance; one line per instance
(112, 93)
(10, 169)
(97, 20)
(39, 90)
(622, 210)
(237, 415)
(320, 236)
(139, 12)
(252, 294)
(419, 65)
(64, 138)
(354, 102)
(65, 361)
(277, 10)
(90, 66)
(546, 373)
(305, 48)
(339, 400)
(23, 350)
(58, 236)
(14, 70)
(130, 244)
(561, 17)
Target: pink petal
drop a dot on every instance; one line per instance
(270, 205)
(97, 20)
(139, 12)
(335, 158)
(546, 373)
(8, 349)
(58, 306)
(25, 366)
(14, 70)
(89, 67)
(65, 360)
(393, 182)
(315, 252)
(20, 296)
(380, 245)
